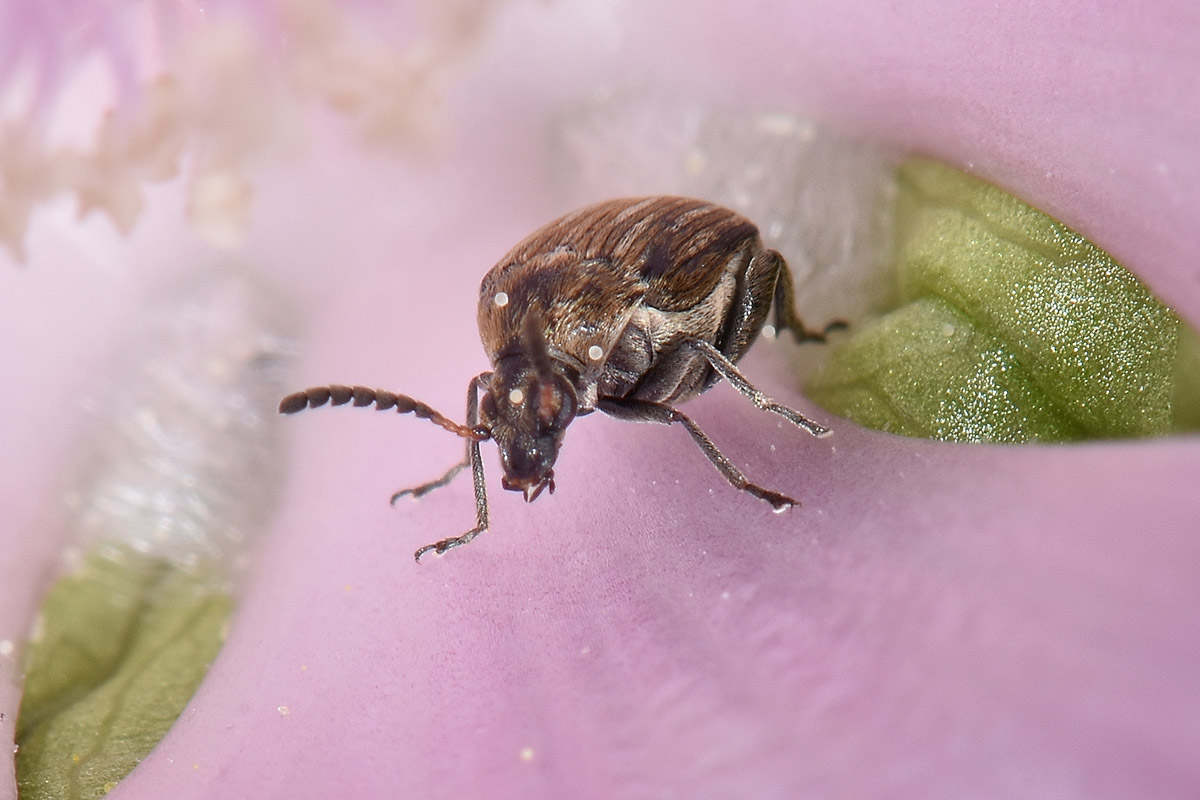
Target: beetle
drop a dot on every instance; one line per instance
(628, 307)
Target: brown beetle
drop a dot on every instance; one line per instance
(626, 307)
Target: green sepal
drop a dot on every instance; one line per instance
(1008, 327)
(119, 648)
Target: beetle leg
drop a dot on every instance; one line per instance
(786, 317)
(729, 372)
(477, 477)
(425, 488)
(634, 410)
(481, 510)
(472, 420)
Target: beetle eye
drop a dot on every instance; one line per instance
(566, 411)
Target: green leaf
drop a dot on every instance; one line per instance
(1009, 327)
(121, 646)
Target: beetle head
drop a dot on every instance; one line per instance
(528, 407)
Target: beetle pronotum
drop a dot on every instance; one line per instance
(627, 307)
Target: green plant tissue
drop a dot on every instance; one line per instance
(1008, 327)
(121, 645)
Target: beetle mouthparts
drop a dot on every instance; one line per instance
(530, 488)
(532, 492)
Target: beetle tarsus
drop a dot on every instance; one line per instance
(439, 548)
(836, 325)
(802, 334)
(779, 502)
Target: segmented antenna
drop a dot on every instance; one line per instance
(362, 396)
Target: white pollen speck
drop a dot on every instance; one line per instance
(516, 397)
(283, 711)
(6, 647)
(527, 754)
(595, 352)
(768, 331)
(501, 299)
(947, 329)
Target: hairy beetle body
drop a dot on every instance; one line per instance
(640, 276)
(627, 307)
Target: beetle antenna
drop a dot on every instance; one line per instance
(361, 396)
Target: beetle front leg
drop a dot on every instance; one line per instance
(649, 411)
(729, 372)
(416, 492)
(472, 424)
(481, 509)
(475, 461)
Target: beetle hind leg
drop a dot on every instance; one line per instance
(634, 410)
(786, 317)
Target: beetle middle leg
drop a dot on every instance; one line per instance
(725, 368)
(634, 410)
